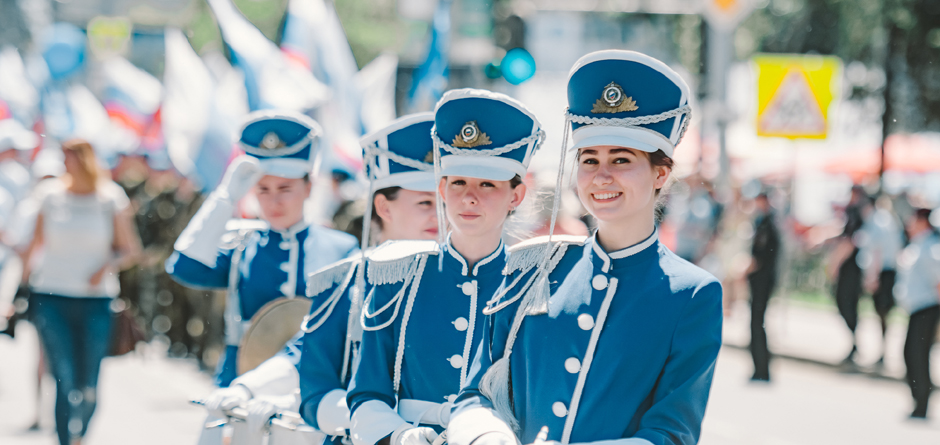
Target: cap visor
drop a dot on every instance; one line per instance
(479, 171)
(639, 139)
(285, 168)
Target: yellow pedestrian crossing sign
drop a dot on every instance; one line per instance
(795, 94)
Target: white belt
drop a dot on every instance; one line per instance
(424, 412)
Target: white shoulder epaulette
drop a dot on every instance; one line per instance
(257, 225)
(528, 254)
(392, 260)
(236, 231)
(329, 276)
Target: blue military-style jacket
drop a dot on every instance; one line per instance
(328, 343)
(421, 325)
(624, 348)
(270, 264)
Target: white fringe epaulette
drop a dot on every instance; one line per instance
(390, 262)
(528, 254)
(329, 276)
(523, 258)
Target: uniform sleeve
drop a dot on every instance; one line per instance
(371, 398)
(473, 414)
(321, 367)
(679, 398)
(192, 273)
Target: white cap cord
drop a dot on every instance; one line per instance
(632, 122)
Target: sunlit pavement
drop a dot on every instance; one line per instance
(807, 404)
(143, 397)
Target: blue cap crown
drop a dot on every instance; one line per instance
(485, 135)
(627, 99)
(285, 142)
(401, 154)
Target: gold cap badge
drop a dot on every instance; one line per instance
(613, 100)
(271, 141)
(470, 136)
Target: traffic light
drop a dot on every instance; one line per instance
(517, 65)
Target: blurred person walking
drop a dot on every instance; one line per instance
(86, 233)
(762, 278)
(849, 277)
(879, 241)
(918, 292)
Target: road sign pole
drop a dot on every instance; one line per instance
(719, 62)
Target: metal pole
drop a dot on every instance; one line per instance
(719, 61)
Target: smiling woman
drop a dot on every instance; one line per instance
(620, 335)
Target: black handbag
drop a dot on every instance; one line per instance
(20, 305)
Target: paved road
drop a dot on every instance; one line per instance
(808, 404)
(143, 399)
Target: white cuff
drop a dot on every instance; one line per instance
(470, 424)
(275, 376)
(372, 421)
(201, 238)
(333, 414)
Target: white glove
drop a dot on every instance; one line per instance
(201, 238)
(224, 399)
(240, 176)
(260, 412)
(413, 436)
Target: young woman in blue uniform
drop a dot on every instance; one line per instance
(422, 318)
(401, 175)
(614, 338)
(318, 358)
(269, 262)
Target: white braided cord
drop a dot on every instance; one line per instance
(400, 351)
(633, 122)
(375, 150)
(397, 299)
(536, 137)
(327, 305)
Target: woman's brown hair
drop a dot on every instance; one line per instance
(87, 159)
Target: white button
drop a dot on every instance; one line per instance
(468, 288)
(573, 365)
(559, 409)
(586, 322)
(461, 324)
(286, 289)
(452, 398)
(284, 245)
(599, 282)
(285, 266)
(456, 361)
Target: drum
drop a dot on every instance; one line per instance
(271, 327)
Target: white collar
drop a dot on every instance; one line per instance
(293, 230)
(622, 253)
(476, 268)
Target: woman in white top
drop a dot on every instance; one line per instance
(86, 234)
